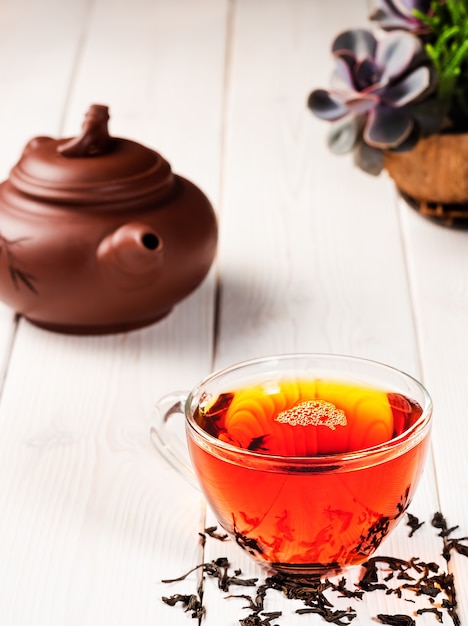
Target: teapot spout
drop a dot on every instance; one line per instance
(133, 254)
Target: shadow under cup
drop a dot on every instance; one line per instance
(309, 515)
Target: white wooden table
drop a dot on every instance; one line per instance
(314, 256)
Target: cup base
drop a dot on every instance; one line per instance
(311, 571)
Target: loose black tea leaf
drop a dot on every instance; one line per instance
(332, 617)
(256, 604)
(437, 613)
(344, 592)
(191, 603)
(370, 574)
(396, 620)
(425, 580)
(373, 586)
(211, 532)
(184, 576)
(370, 577)
(431, 567)
(404, 576)
(217, 569)
(311, 593)
(457, 546)
(450, 544)
(249, 599)
(422, 589)
(413, 523)
(439, 521)
(256, 620)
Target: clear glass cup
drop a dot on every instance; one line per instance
(302, 497)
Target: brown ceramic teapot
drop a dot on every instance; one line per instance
(98, 235)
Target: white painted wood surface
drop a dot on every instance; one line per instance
(313, 256)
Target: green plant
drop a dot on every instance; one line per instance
(447, 47)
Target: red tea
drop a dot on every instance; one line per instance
(307, 515)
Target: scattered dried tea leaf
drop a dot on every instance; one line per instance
(191, 603)
(344, 592)
(332, 617)
(413, 523)
(435, 588)
(311, 593)
(396, 620)
(437, 613)
(439, 521)
(218, 569)
(313, 413)
(212, 532)
(256, 620)
(450, 543)
(455, 544)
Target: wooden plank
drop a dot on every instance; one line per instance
(39, 46)
(8, 323)
(312, 250)
(154, 67)
(438, 262)
(294, 236)
(93, 518)
(34, 81)
(311, 260)
(86, 502)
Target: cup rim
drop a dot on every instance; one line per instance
(395, 447)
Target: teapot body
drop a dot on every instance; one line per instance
(106, 264)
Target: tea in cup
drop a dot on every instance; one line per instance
(308, 461)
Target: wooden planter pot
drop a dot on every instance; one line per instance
(433, 177)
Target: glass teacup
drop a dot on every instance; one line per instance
(308, 461)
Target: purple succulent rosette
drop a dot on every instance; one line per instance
(400, 14)
(376, 83)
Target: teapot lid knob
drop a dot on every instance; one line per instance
(94, 137)
(93, 169)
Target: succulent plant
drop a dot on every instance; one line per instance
(378, 83)
(401, 14)
(407, 81)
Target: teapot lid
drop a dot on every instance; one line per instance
(92, 168)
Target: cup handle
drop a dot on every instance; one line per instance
(170, 445)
